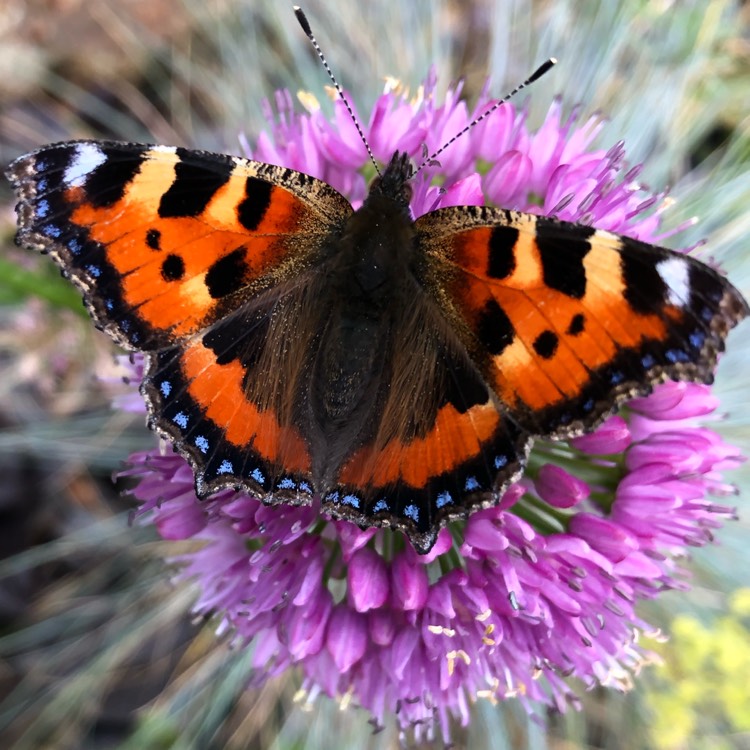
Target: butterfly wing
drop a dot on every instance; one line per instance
(186, 255)
(565, 321)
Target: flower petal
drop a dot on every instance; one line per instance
(367, 580)
(346, 639)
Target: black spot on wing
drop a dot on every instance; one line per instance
(545, 344)
(153, 238)
(577, 325)
(254, 205)
(172, 268)
(107, 183)
(198, 176)
(494, 328)
(463, 385)
(562, 248)
(645, 289)
(502, 260)
(227, 275)
(240, 337)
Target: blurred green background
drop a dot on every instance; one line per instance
(97, 649)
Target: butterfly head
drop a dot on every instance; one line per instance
(394, 182)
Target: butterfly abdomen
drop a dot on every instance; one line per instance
(367, 285)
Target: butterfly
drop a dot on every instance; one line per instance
(398, 370)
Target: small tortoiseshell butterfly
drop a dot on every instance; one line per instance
(397, 369)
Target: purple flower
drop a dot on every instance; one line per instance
(521, 596)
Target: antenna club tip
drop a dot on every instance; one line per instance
(542, 69)
(302, 18)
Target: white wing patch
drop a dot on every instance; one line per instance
(164, 149)
(676, 275)
(87, 158)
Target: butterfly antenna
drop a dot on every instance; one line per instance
(538, 73)
(305, 24)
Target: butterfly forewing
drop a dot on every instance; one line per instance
(165, 241)
(567, 321)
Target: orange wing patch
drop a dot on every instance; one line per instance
(213, 233)
(177, 270)
(219, 392)
(454, 439)
(201, 405)
(556, 341)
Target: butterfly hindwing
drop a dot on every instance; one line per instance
(567, 321)
(201, 405)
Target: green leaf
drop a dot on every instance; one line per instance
(18, 284)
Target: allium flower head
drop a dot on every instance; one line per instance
(524, 595)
